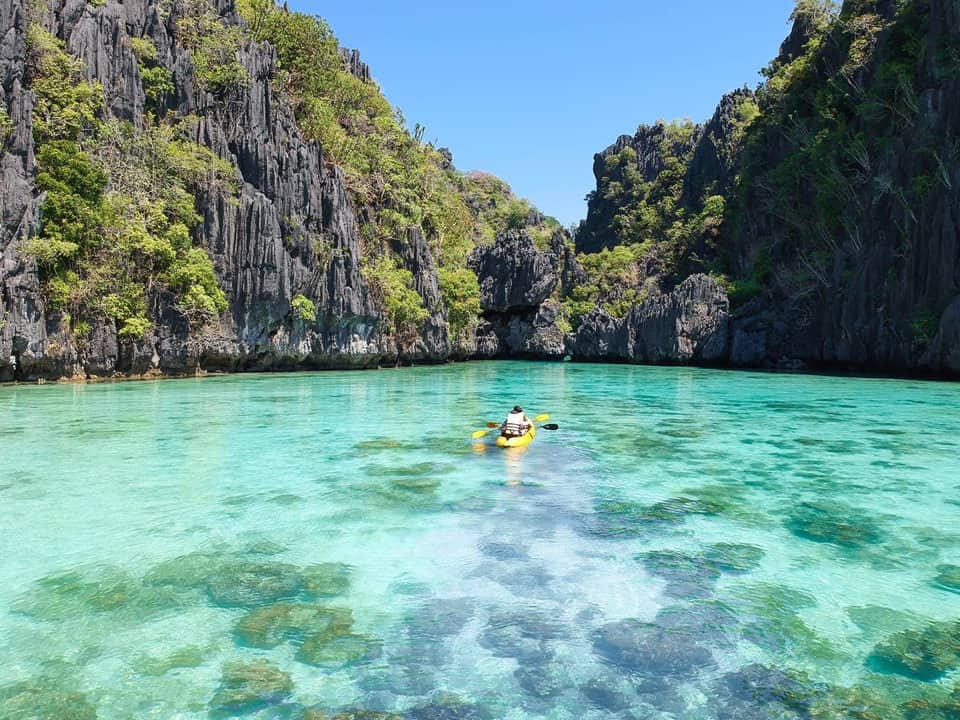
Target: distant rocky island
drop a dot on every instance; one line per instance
(221, 187)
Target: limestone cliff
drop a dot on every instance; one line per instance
(825, 204)
(317, 266)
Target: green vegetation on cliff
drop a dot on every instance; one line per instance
(396, 179)
(119, 212)
(120, 218)
(841, 104)
(787, 191)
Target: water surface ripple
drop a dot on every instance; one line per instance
(689, 545)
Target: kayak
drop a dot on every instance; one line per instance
(519, 440)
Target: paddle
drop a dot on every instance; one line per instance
(539, 418)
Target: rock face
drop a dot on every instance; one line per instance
(516, 284)
(881, 290)
(291, 231)
(595, 232)
(433, 343)
(513, 274)
(714, 158)
(688, 325)
(23, 326)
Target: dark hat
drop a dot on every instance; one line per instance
(517, 408)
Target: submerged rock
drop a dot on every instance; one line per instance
(757, 692)
(186, 657)
(452, 709)
(326, 579)
(247, 687)
(926, 654)
(440, 617)
(832, 523)
(542, 681)
(706, 621)
(248, 584)
(948, 578)
(687, 576)
(43, 699)
(270, 626)
(521, 635)
(770, 618)
(875, 620)
(648, 649)
(734, 558)
(628, 518)
(604, 695)
(79, 593)
(323, 650)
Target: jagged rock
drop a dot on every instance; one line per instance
(291, 230)
(516, 283)
(595, 232)
(513, 274)
(714, 160)
(354, 66)
(22, 322)
(433, 342)
(689, 325)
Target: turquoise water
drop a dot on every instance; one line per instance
(689, 544)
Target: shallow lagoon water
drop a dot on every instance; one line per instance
(733, 545)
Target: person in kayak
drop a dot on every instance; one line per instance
(516, 424)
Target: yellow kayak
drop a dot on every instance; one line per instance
(519, 440)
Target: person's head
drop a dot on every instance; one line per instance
(517, 409)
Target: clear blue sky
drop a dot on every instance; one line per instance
(529, 90)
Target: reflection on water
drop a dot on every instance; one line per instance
(689, 545)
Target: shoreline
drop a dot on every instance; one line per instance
(826, 371)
